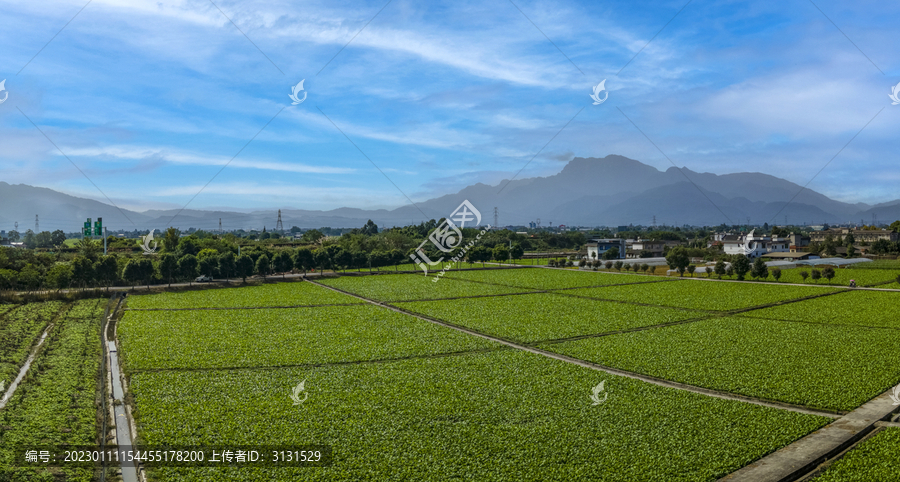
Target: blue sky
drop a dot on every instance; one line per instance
(150, 99)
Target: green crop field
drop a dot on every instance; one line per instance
(19, 330)
(548, 279)
(842, 277)
(495, 416)
(398, 397)
(276, 337)
(702, 295)
(295, 293)
(821, 366)
(406, 287)
(55, 404)
(863, 307)
(543, 316)
(875, 459)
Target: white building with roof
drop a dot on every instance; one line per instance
(754, 246)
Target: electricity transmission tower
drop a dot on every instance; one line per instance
(37, 225)
(496, 217)
(279, 228)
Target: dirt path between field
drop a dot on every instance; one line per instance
(598, 367)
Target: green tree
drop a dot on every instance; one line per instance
(188, 267)
(168, 266)
(816, 275)
(59, 276)
(828, 273)
(516, 252)
(146, 270)
(500, 253)
(82, 271)
(719, 268)
(208, 265)
(851, 251)
(608, 264)
(243, 267)
(282, 262)
(9, 279)
(106, 270)
(322, 259)
(708, 271)
(741, 265)
(618, 265)
(29, 240)
(776, 273)
(187, 245)
(132, 272)
(478, 254)
(611, 253)
(678, 259)
(303, 259)
(343, 258)
(58, 238)
(804, 275)
(759, 269)
(88, 248)
(313, 236)
(170, 240)
(207, 253)
(262, 265)
(226, 264)
(30, 278)
(691, 268)
(729, 271)
(14, 236)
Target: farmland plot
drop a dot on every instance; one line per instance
(504, 415)
(875, 459)
(702, 295)
(413, 287)
(545, 279)
(55, 402)
(277, 294)
(820, 366)
(19, 330)
(543, 316)
(248, 338)
(866, 308)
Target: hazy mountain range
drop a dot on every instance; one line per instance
(610, 191)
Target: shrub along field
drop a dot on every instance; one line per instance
(505, 415)
(544, 316)
(842, 276)
(702, 295)
(295, 293)
(820, 366)
(55, 403)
